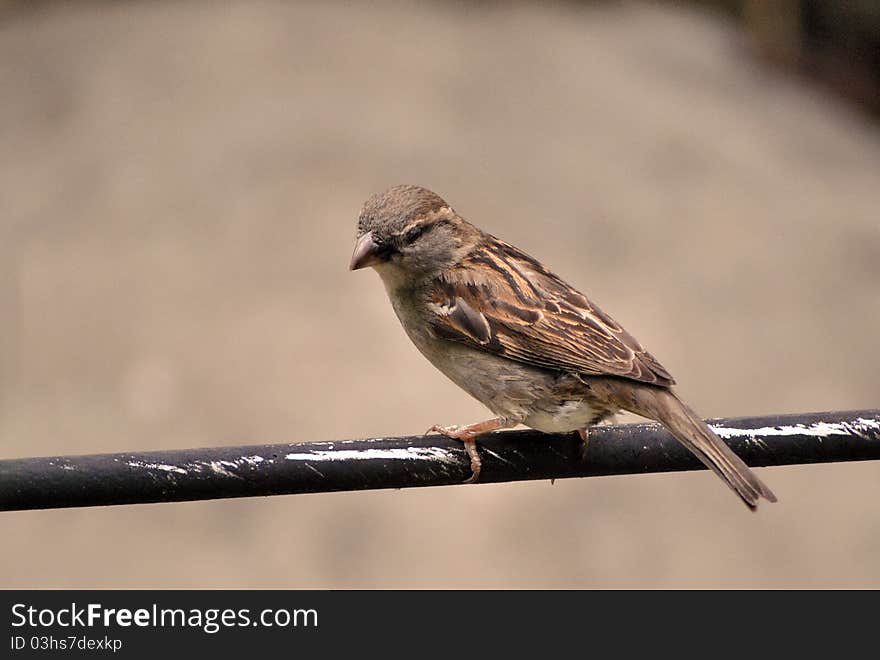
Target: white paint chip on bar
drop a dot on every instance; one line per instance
(861, 426)
(156, 466)
(395, 453)
(217, 467)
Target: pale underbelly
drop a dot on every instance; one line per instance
(563, 417)
(515, 392)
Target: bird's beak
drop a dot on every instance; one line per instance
(366, 252)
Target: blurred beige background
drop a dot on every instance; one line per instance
(179, 185)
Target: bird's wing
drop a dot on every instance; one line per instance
(501, 300)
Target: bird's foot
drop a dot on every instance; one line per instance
(448, 431)
(465, 435)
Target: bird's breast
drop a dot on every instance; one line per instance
(562, 415)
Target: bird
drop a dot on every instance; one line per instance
(511, 333)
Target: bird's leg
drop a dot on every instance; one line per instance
(585, 442)
(467, 435)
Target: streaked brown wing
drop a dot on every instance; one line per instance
(501, 300)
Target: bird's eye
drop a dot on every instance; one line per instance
(414, 233)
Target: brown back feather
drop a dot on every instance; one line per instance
(534, 317)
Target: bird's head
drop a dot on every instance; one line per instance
(407, 233)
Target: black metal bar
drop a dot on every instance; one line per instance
(201, 474)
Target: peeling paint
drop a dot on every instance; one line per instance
(860, 427)
(500, 458)
(394, 454)
(156, 466)
(760, 443)
(866, 426)
(219, 467)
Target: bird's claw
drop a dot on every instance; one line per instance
(470, 445)
(448, 431)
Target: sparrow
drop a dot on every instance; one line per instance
(515, 336)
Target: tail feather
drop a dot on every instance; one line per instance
(688, 428)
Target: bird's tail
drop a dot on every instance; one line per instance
(689, 429)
